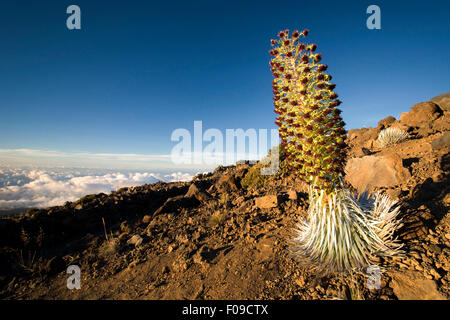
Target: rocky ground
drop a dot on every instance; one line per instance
(225, 235)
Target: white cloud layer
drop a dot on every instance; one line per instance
(43, 187)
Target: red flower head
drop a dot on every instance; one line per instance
(305, 80)
(281, 34)
(322, 67)
(305, 58)
(313, 47)
(305, 32)
(333, 95)
(295, 34)
(318, 58)
(301, 47)
(318, 119)
(289, 54)
(286, 43)
(272, 42)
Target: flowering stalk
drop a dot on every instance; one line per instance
(340, 235)
(311, 128)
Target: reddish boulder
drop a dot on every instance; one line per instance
(420, 113)
(373, 171)
(386, 122)
(195, 192)
(266, 202)
(443, 101)
(410, 285)
(441, 143)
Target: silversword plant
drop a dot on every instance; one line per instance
(341, 234)
(390, 137)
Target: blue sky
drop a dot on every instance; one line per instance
(137, 70)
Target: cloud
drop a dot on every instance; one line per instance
(175, 161)
(49, 158)
(43, 188)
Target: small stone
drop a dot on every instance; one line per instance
(136, 240)
(292, 195)
(165, 269)
(394, 194)
(270, 201)
(428, 275)
(124, 227)
(435, 274)
(300, 281)
(146, 219)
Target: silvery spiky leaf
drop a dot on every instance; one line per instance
(391, 136)
(342, 236)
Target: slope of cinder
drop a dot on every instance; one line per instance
(211, 238)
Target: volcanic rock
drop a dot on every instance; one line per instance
(195, 192)
(443, 142)
(443, 101)
(270, 201)
(409, 285)
(420, 113)
(386, 122)
(175, 203)
(369, 172)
